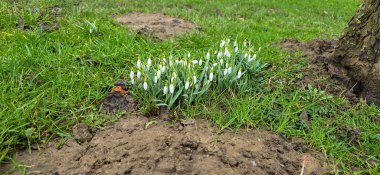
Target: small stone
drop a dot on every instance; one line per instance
(81, 133)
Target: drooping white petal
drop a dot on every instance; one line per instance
(225, 71)
(145, 85)
(149, 63)
(138, 74)
(211, 76)
(131, 75)
(195, 79)
(221, 61)
(171, 88)
(155, 79)
(219, 55)
(239, 74)
(163, 69)
(159, 73)
(165, 89)
(187, 84)
(227, 53)
(208, 55)
(229, 70)
(195, 61)
(139, 63)
(200, 62)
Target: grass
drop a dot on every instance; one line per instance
(52, 80)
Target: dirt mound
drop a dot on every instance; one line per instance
(157, 25)
(319, 73)
(137, 145)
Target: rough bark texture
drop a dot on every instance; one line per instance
(356, 57)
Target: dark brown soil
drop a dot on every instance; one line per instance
(132, 146)
(319, 73)
(157, 25)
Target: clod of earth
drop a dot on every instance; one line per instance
(126, 147)
(157, 25)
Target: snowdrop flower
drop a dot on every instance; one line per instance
(159, 73)
(208, 55)
(225, 71)
(229, 70)
(145, 85)
(195, 61)
(245, 55)
(171, 88)
(235, 44)
(163, 69)
(195, 79)
(138, 74)
(139, 63)
(215, 64)
(155, 79)
(221, 61)
(236, 49)
(149, 63)
(219, 55)
(188, 54)
(211, 76)
(165, 89)
(187, 84)
(239, 74)
(200, 62)
(254, 56)
(222, 43)
(228, 40)
(227, 53)
(131, 76)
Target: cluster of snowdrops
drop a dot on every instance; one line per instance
(183, 79)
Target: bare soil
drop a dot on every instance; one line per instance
(157, 25)
(320, 73)
(132, 146)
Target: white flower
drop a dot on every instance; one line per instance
(222, 43)
(165, 89)
(163, 69)
(138, 74)
(171, 88)
(235, 44)
(236, 49)
(133, 81)
(195, 61)
(159, 73)
(228, 40)
(188, 54)
(139, 63)
(211, 76)
(187, 84)
(259, 49)
(219, 55)
(227, 53)
(225, 71)
(208, 55)
(239, 74)
(200, 62)
(155, 79)
(195, 79)
(131, 75)
(245, 55)
(221, 61)
(254, 56)
(149, 63)
(145, 85)
(215, 64)
(229, 70)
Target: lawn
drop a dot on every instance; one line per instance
(52, 79)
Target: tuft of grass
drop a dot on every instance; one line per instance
(52, 78)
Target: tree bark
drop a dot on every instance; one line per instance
(356, 59)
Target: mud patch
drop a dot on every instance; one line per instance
(157, 25)
(128, 147)
(318, 53)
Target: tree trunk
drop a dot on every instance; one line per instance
(356, 59)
